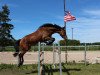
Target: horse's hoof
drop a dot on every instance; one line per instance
(15, 54)
(49, 43)
(20, 64)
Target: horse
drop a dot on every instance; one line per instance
(42, 34)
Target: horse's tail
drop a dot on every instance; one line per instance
(16, 48)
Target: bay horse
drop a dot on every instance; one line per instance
(42, 34)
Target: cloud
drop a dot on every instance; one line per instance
(13, 5)
(20, 21)
(87, 27)
(93, 12)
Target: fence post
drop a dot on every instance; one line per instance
(43, 52)
(66, 54)
(85, 55)
(39, 47)
(54, 55)
(59, 53)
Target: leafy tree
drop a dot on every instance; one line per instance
(62, 42)
(5, 27)
(96, 43)
(69, 42)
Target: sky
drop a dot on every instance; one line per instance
(28, 15)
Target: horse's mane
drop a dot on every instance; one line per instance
(50, 25)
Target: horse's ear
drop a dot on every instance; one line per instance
(64, 28)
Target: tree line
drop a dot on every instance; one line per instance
(70, 42)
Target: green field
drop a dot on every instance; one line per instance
(63, 48)
(70, 69)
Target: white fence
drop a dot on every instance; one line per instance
(32, 57)
(72, 56)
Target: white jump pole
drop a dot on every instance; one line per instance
(40, 58)
(59, 53)
(43, 52)
(54, 56)
(39, 48)
(85, 54)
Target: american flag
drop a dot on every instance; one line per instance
(68, 17)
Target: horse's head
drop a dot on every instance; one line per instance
(53, 28)
(62, 33)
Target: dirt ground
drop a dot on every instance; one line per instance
(32, 57)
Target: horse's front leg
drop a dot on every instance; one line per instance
(49, 40)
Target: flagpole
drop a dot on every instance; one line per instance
(66, 53)
(64, 12)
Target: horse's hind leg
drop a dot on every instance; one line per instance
(21, 59)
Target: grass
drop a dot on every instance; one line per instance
(67, 69)
(50, 48)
